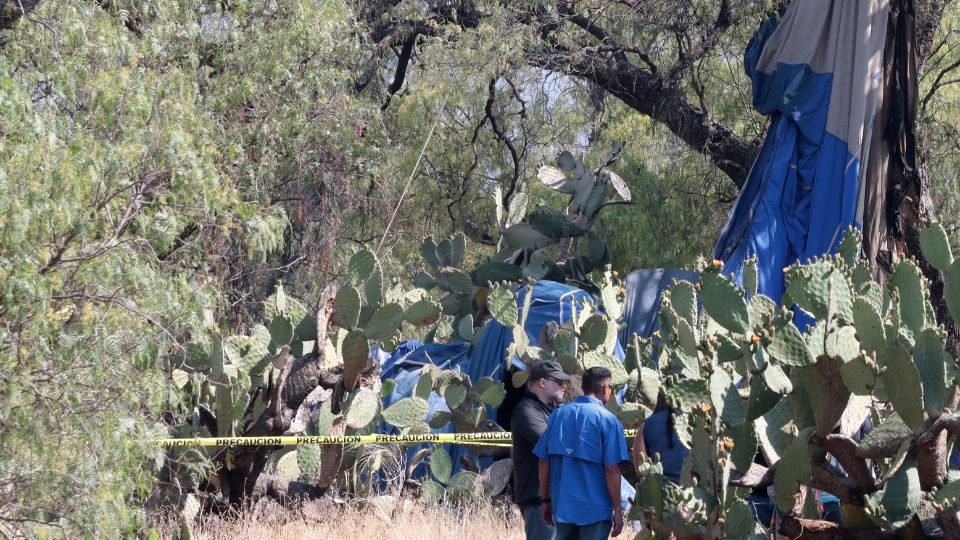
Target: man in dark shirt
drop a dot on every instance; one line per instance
(580, 455)
(544, 394)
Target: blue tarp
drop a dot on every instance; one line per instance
(551, 301)
(815, 73)
(644, 290)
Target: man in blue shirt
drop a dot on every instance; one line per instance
(580, 454)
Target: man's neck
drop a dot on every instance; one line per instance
(540, 398)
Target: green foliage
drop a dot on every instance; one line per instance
(406, 412)
(165, 164)
(868, 341)
(503, 305)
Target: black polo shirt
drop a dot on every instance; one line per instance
(528, 423)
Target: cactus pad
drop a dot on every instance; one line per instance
(287, 467)
(492, 272)
(902, 383)
(423, 312)
(828, 396)
(260, 333)
(346, 308)
(885, 439)
(552, 224)
(776, 380)
(793, 469)
(244, 352)
(726, 399)
(373, 288)
(750, 276)
(599, 359)
(908, 280)
(440, 466)
(762, 398)
(745, 444)
(429, 252)
(502, 305)
(362, 408)
(443, 330)
(761, 308)
(445, 252)
(454, 280)
(440, 419)
(610, 296)
(424, 280)
(949, 494)
(859, 375)
(281, 331)
(465, 328)
(849, 249)
(684, 393)
(406, 412)
(727, 349)
(683, 297)
(458, 248)
(951, 289)
(388, 387)
(936, 246)
(431, 492)
(724, 303)
(361, 266)
(308, 459)
(593, 333)
(869, 325)
(931, 360)
(384, 322)
(843, 343)
(465, 486)
(494, 395)
(648, 386)
(424, 386)
(554, 179)
(740, 524)
(788, 347)
(901, 496)
(356, 351)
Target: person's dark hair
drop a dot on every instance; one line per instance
(592, 381)
(671, 418)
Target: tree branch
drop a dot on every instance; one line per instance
(648, 94)
(843, 449)
(12, 10)
(725, 19)
(514, 155)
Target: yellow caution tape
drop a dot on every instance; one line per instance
(491, 438)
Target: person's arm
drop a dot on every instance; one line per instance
(612, 475)
(546, 505)
(530, 427)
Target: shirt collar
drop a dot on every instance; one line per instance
(588, 399)
(534, 397)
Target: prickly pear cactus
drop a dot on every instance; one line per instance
(744, 377)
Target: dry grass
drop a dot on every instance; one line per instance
(351, 521)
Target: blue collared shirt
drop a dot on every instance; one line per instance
(581, 438)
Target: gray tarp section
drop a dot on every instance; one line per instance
(644, 291)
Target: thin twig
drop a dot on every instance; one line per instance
(412, 174)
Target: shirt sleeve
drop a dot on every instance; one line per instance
(614, 442)
(541, 450)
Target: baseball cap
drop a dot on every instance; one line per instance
(547, 370)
